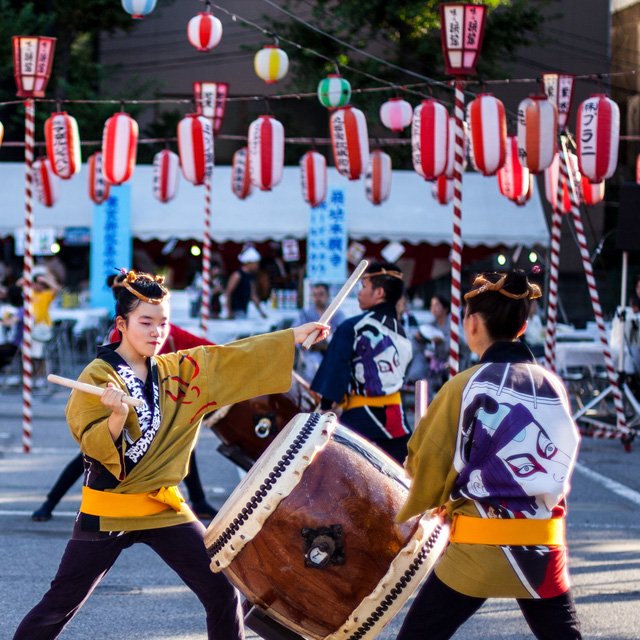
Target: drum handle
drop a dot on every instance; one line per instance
(263, 428)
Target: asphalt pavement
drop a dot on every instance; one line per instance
(142, 599)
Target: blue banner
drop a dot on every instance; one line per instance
(327, 240)
(110, 243)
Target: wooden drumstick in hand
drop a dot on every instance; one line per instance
(337, 301)
(89, 388)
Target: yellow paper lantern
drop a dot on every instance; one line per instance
(271, 64)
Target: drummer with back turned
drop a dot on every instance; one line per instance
(365, 363)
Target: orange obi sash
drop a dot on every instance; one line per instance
(351, 402)
(130, 505)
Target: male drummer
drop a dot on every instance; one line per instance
(365, 364)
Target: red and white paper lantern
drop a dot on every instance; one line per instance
(46, 182)
(523, 199)
(592, 192)
(430, 139)
(396, 114)
(350, 141)
(63, 144)
(98, 185)
(166, 170)
(240, 178)
(119, 148)
(513, 178)
(451, 153)
(266, 152)
(598, 136)
(487, 133)
(442, 190)
(313, 175)
(537, 132)
(204, 31)
(377, 181)
(551, 177)
(195, 145)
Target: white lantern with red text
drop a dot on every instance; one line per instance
(350, 141)
(451, 153)
(313, 176)
(204, 31)
(513, 178)
(537, 132)
(430, 139)
(46, 182)
(266, 152)
(166, 170)
(119, 148)
(396, 114)
(271, 64)
(377, 180)
(598, 136)
(63, 144)
(592, 192)
(240, 178)
(98, 186)
(442, 190)
(195, 145)
(487, 133)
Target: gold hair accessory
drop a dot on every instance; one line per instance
(384, 272)
(132, 276)
(532, 292)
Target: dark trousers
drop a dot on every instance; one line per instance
(438, 611)
(86, 561)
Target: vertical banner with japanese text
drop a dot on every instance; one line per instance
(110, 243)
(327, 240)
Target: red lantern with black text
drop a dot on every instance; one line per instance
(487, 133)
(430, 139)
(98, 186)
(313, 175)
(442, 190)
(204, 31)
(195, 145)
(63, 144)
(537, 132)
(598, 136)
(240, 178)
(166, 169)
(266, 152)
(350, 141)
(513, 178)
(377, 181)
(46, 182)
(592, 192)
(119, 148)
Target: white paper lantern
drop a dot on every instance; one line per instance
(487, 133)
(266, 152)
(195, 145)
(119, 148)
(537, 132)
(350, 141)
(240, 177)
(63, 144)
(166, 170)
(46, 182)
(313, 176)
(377, 182)
(396, 114)
(430, 139)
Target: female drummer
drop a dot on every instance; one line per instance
(135, 459)
(496, 451)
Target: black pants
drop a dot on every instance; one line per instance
(88, 558)
(438, 611)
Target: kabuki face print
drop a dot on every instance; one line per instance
(515, 442)
(376, 362)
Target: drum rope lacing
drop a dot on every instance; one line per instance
(402, 583)
(265, 487)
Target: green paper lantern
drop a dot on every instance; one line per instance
(334, 91)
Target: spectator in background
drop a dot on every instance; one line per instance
(311, 359)
(241, 288)
(12, 324)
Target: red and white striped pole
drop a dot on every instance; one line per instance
(567, 172)
(27, 367)
(456, 245)
(206, 258)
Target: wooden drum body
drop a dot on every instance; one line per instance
(247, 428)
(309, 536)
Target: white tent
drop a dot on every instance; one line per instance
(410, 215)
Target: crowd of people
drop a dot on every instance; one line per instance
(462, 455)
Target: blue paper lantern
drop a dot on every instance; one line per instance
(139, 8)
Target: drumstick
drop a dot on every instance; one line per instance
(89, 388)
(422, 394)
(337, 301)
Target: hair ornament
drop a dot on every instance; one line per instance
(384, 272)
(132, 276)
(532, 292)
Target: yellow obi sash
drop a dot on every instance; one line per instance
(351, 402)
(130, 505)
(507, 532)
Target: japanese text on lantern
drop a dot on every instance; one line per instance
(340, 146)
(239, 172)
(60, 148)
(472, 27)
(588, 125)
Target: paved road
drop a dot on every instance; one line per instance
(141, 599)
